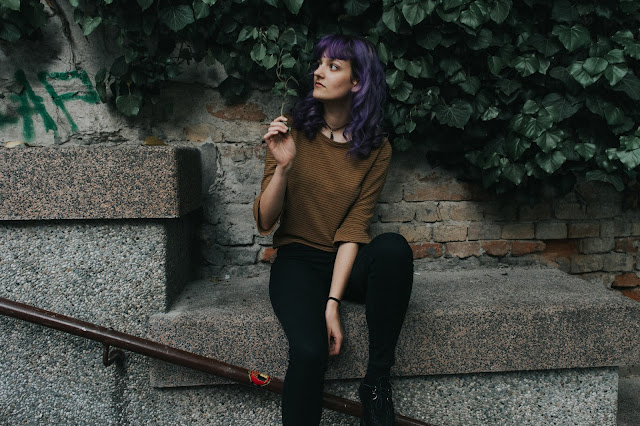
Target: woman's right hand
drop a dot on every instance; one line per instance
(280, 143)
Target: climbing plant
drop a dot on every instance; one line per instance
(20, 19)
(515, 93)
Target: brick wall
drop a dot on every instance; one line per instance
(449, 222)
(586, 232)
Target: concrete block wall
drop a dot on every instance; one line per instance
(115, 271)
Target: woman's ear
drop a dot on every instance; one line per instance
(356, 86)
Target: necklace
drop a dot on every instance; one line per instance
(337, 128)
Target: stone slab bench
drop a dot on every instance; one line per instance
(458, 322)
(98, 182)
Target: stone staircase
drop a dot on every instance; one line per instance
(520, 325)
(467, 321)
(485, 346)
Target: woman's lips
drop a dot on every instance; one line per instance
(318, 84)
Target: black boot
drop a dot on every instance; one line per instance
(377, 405)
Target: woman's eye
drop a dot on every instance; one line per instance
(334, 67)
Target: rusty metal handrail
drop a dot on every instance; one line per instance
(109, 337)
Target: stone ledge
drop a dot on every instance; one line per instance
(470, 321)
(98, 182)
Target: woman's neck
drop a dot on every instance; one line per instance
(337, 116)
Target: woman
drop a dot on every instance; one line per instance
(323, 175)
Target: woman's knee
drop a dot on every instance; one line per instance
(392, 247)
(310, 356)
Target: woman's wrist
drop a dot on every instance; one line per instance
(334, 300)
(283, 169)
(332, 305)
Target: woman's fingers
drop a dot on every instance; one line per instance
(334, 333)
(335, 343)
(275, 128)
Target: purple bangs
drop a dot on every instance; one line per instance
(334, 47)
(364, 132)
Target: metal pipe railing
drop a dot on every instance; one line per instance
(109, 337)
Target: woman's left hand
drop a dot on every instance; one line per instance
(334, 330)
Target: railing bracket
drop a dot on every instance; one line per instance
(109, 356)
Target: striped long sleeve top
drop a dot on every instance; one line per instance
(330, 196)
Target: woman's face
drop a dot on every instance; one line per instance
(332, 80)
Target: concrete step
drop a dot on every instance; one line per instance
(463, 321)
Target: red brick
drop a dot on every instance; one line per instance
(561, 251)
(268, 254)
(245, 112)
(626, 281)
(430, 250)
(496, 248)
(563, 248)
(463, 249)
(628, 245)
(519, 248)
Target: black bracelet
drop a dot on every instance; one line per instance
(334, 298)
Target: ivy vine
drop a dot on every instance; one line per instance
(516, 93)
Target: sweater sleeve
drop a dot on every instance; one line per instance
(269, 170)
(355, 227)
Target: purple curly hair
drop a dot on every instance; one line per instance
(364, 132)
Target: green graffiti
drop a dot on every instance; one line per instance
(90, 95)
(31, 104)
(28, 104)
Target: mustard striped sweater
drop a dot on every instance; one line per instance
(330, 196)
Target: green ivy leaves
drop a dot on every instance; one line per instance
(293, 5)
(129, 104)
(356, 7)
(525, 91)
(144, 4)
(19, 19)
(455, 115)
(176, 17)
(573, 37)
(89, 24)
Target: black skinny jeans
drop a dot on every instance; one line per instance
(381, 277)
